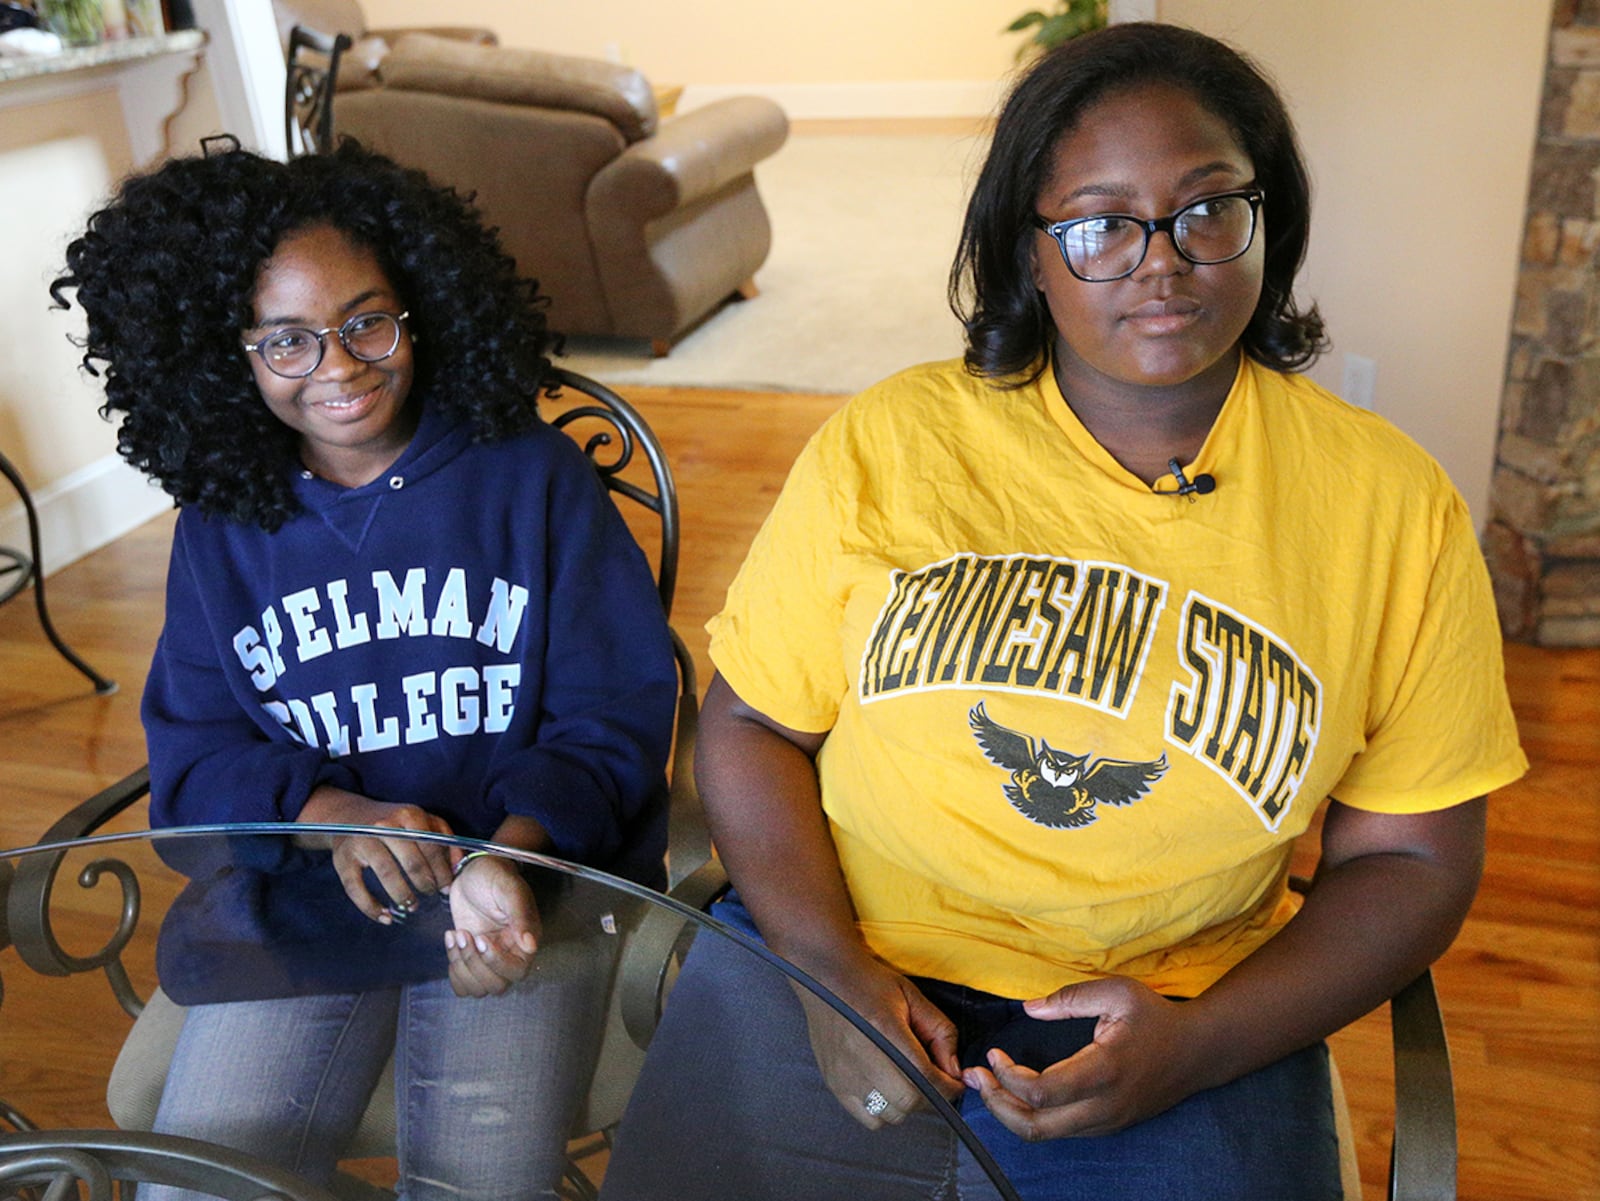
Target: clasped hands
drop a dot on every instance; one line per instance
(1139, 1063)
(495, 921)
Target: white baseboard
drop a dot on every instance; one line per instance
(839, 101)
(83, 511)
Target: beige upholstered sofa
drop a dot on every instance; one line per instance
(636, 227)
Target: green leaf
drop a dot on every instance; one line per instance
(1058, 29)
(1071, 18)
(1026, 20)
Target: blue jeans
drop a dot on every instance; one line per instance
(1267, 1134)
(730, 1105)
(485, 1088)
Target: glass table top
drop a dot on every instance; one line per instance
(660, 998)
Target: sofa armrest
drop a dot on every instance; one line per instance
(691, 157)
(507, 75)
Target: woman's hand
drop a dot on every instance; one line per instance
(1397, 886)
(496, 930)
(758, 779)
(1137, 1065)
(403, 867)
(854, 1068)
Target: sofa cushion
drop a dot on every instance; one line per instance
(506, 75)
(358, 68)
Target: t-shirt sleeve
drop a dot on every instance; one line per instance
(777, 640)
(1441, 730)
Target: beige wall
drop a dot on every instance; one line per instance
(1418, 120)
(714, 42)
(55, 160)
(64, 144)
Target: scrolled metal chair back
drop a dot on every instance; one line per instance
(313, 72)
(611, 431)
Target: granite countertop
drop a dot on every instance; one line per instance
(104, 54)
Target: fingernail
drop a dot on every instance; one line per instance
(483, 945)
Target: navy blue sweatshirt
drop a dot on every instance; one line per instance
(475, 633)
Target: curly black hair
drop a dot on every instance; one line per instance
(1009, 331)
(166, 273)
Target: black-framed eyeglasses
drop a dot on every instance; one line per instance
(295, 352)
(1109, 246)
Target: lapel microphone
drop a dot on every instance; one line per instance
(1203, 483)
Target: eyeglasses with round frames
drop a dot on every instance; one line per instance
(295, 353)
(1110, 246)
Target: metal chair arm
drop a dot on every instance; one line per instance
(1422, 1161)
(688, 834)
(29, 896)
(92, 1156)
(1422, 1155)
(650, 959)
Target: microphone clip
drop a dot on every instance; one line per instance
(1202, 484)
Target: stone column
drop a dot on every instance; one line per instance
(1543, 536)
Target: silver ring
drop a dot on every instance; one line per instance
(875, 1103)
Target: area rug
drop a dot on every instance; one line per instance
(864, 229)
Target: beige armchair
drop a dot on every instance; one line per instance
(636, 227)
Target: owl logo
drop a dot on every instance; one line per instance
(1054, 788)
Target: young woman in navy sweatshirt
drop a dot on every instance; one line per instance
(397, 599)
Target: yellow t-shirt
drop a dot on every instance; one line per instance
(1074, 724)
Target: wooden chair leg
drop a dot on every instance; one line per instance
(747, 290)
(659, 347)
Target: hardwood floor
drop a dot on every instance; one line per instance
(1521, 987)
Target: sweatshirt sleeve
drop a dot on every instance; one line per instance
(596, 767)
(212, 758)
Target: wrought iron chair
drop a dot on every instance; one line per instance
(313, 69)
(634, 467)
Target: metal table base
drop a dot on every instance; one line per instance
(17, 570)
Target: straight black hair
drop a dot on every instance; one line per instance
(1009, 331)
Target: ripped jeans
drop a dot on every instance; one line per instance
(485, 1088)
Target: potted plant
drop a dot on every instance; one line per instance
(75, 22)
(1066, 21)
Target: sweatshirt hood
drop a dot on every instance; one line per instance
(350, 511)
